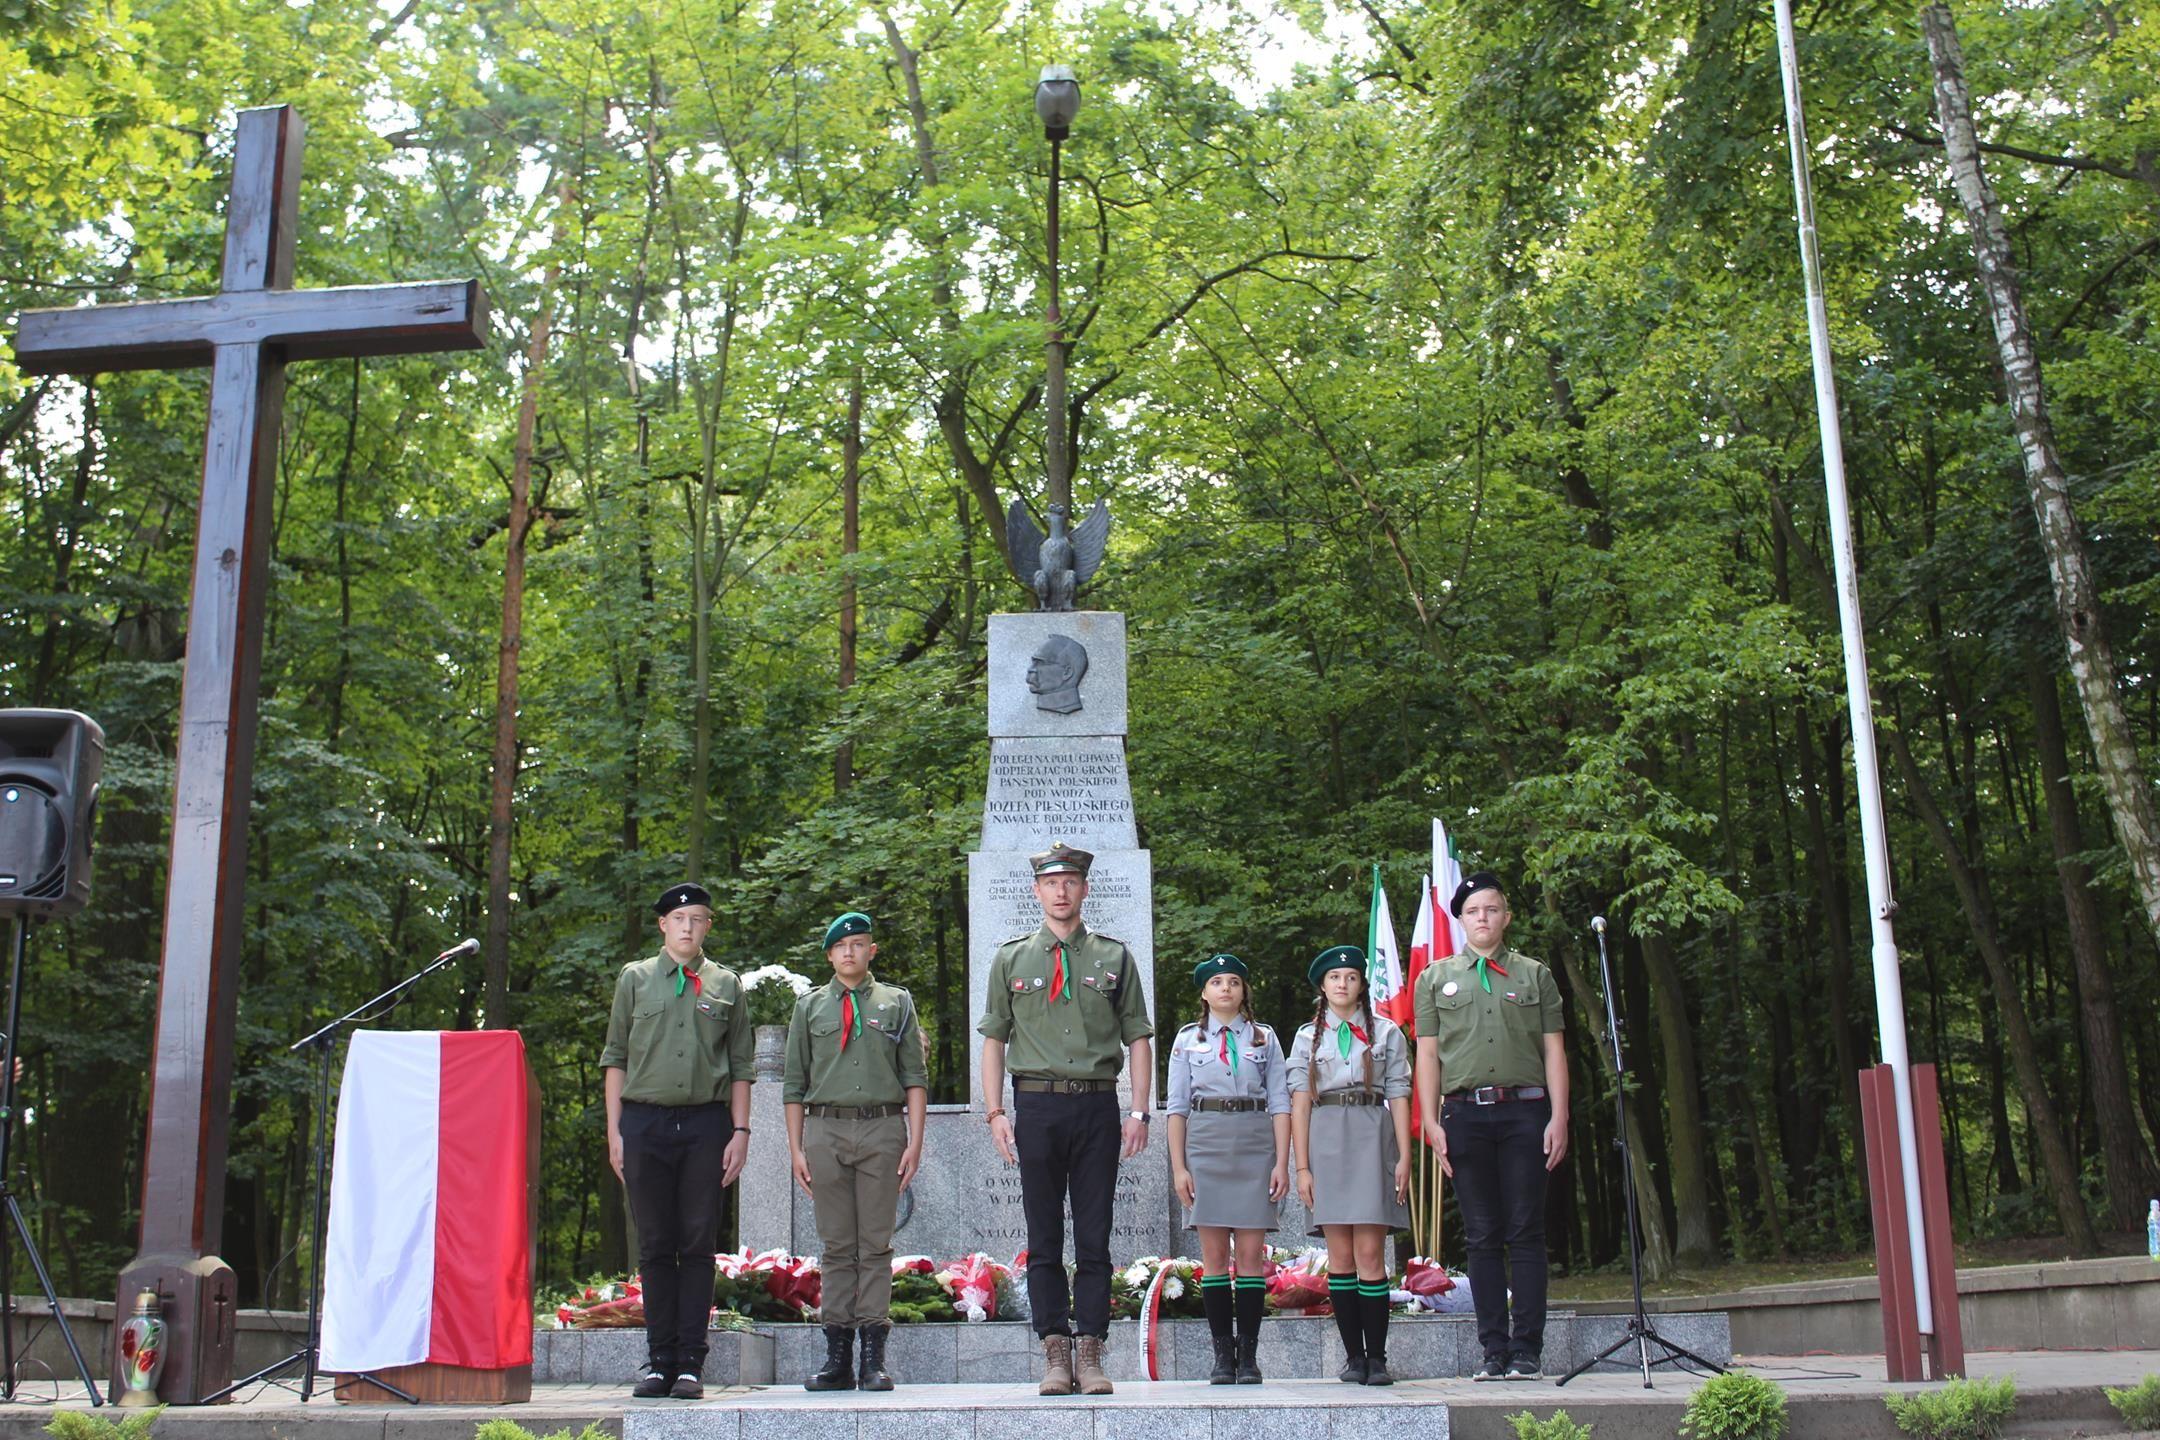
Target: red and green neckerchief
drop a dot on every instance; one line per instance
(685, 977)
(850, 1018)
(1486, 969)
(1226, 1050)
(1057, 970)
(1344, 1032)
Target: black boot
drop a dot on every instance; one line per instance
(1215, 1300)
(872, 1375)
(1251, 1307)
(1350, 1324)
(1375, 1307)
(838, 1372)
(1225, 1371)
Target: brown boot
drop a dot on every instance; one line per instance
(1057, 1366)
(1087, 1359)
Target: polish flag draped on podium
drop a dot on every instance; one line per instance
(429, 1256)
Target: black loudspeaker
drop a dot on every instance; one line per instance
(49, 766)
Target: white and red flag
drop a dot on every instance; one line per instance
(1383, 960)
(429, 1258)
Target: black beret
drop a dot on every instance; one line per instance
(1475, 881)
(677, 896)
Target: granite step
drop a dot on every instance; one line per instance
(1292, 1348)
(1162, 1410)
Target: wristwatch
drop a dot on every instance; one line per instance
(1141, 1115)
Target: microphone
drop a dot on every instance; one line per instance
(467, 946)
(1597, 923)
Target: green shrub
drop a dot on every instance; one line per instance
(2139, 1405)
(511, 1430)
(1961, 1410)
(1560, 1427)
(92, 1425)
(1735, 1406)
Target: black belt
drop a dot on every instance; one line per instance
(1497, 1094)
(854, 1112)
(1350, 1097)
(1033, 1086)
(1230, 1103)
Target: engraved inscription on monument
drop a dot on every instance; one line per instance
(1045, 790)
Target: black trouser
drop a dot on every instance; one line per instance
(1068, 1146)
(1498, 1155)
(672, 1157)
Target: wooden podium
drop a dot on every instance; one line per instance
(432, 1383)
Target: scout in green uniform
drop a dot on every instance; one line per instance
(1490, 1048)
(1064, 1007)
(677, 1068)
(854, 1064)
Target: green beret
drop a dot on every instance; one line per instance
(1215, 965)
(1341, 957)
(854, 922)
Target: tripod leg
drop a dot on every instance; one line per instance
(37, 1263)
(1674, 1354)
(1603, 1355)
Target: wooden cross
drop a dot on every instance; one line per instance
(245, 333)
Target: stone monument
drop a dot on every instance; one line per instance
(1057, 719)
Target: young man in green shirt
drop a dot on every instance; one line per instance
(856, 1096)
(677, 1068)
(1064, 1008)
(1492, 1058)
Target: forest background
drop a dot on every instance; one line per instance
(1451, 391)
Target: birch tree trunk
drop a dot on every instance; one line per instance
(850, 543)
(503, 770)
(2077, 599)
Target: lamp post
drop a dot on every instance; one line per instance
(1057, 101)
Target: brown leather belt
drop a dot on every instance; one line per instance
(1230, 1103)
(854, 1112)
(1497, 1094)
(1350, 1097)
(1030, 1085)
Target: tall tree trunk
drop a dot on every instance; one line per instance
(1695, 1239)
(496, 953)
(1657, 1245)
(2077, 597)
(850, 543)
(2045, 1126)
(2131, 1175)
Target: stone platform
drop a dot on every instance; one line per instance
(1829, 1397)
(1291, 1348)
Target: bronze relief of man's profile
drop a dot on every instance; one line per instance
(1054, 674)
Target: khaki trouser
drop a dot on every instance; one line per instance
(855, 1186)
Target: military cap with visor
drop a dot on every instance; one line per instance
(1061, 857)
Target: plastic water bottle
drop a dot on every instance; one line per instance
(2152, 1230)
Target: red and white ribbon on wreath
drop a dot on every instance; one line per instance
(1151, 1322)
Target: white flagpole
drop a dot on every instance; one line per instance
(1889, 987)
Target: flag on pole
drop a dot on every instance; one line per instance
(1448, 934)
(1383, 960)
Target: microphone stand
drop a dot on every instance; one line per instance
(322, 1042)
(1640, 1332)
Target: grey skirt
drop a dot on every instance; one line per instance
(1353, 1164)
(1230, 1154)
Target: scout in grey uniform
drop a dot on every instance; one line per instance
(854, 1064)
(1064, 1007)
(676, 1071)
(1350, 1119)
(1229, 1155)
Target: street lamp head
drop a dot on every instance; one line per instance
(1057, 100)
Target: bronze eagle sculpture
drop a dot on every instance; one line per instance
(1056, 565)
